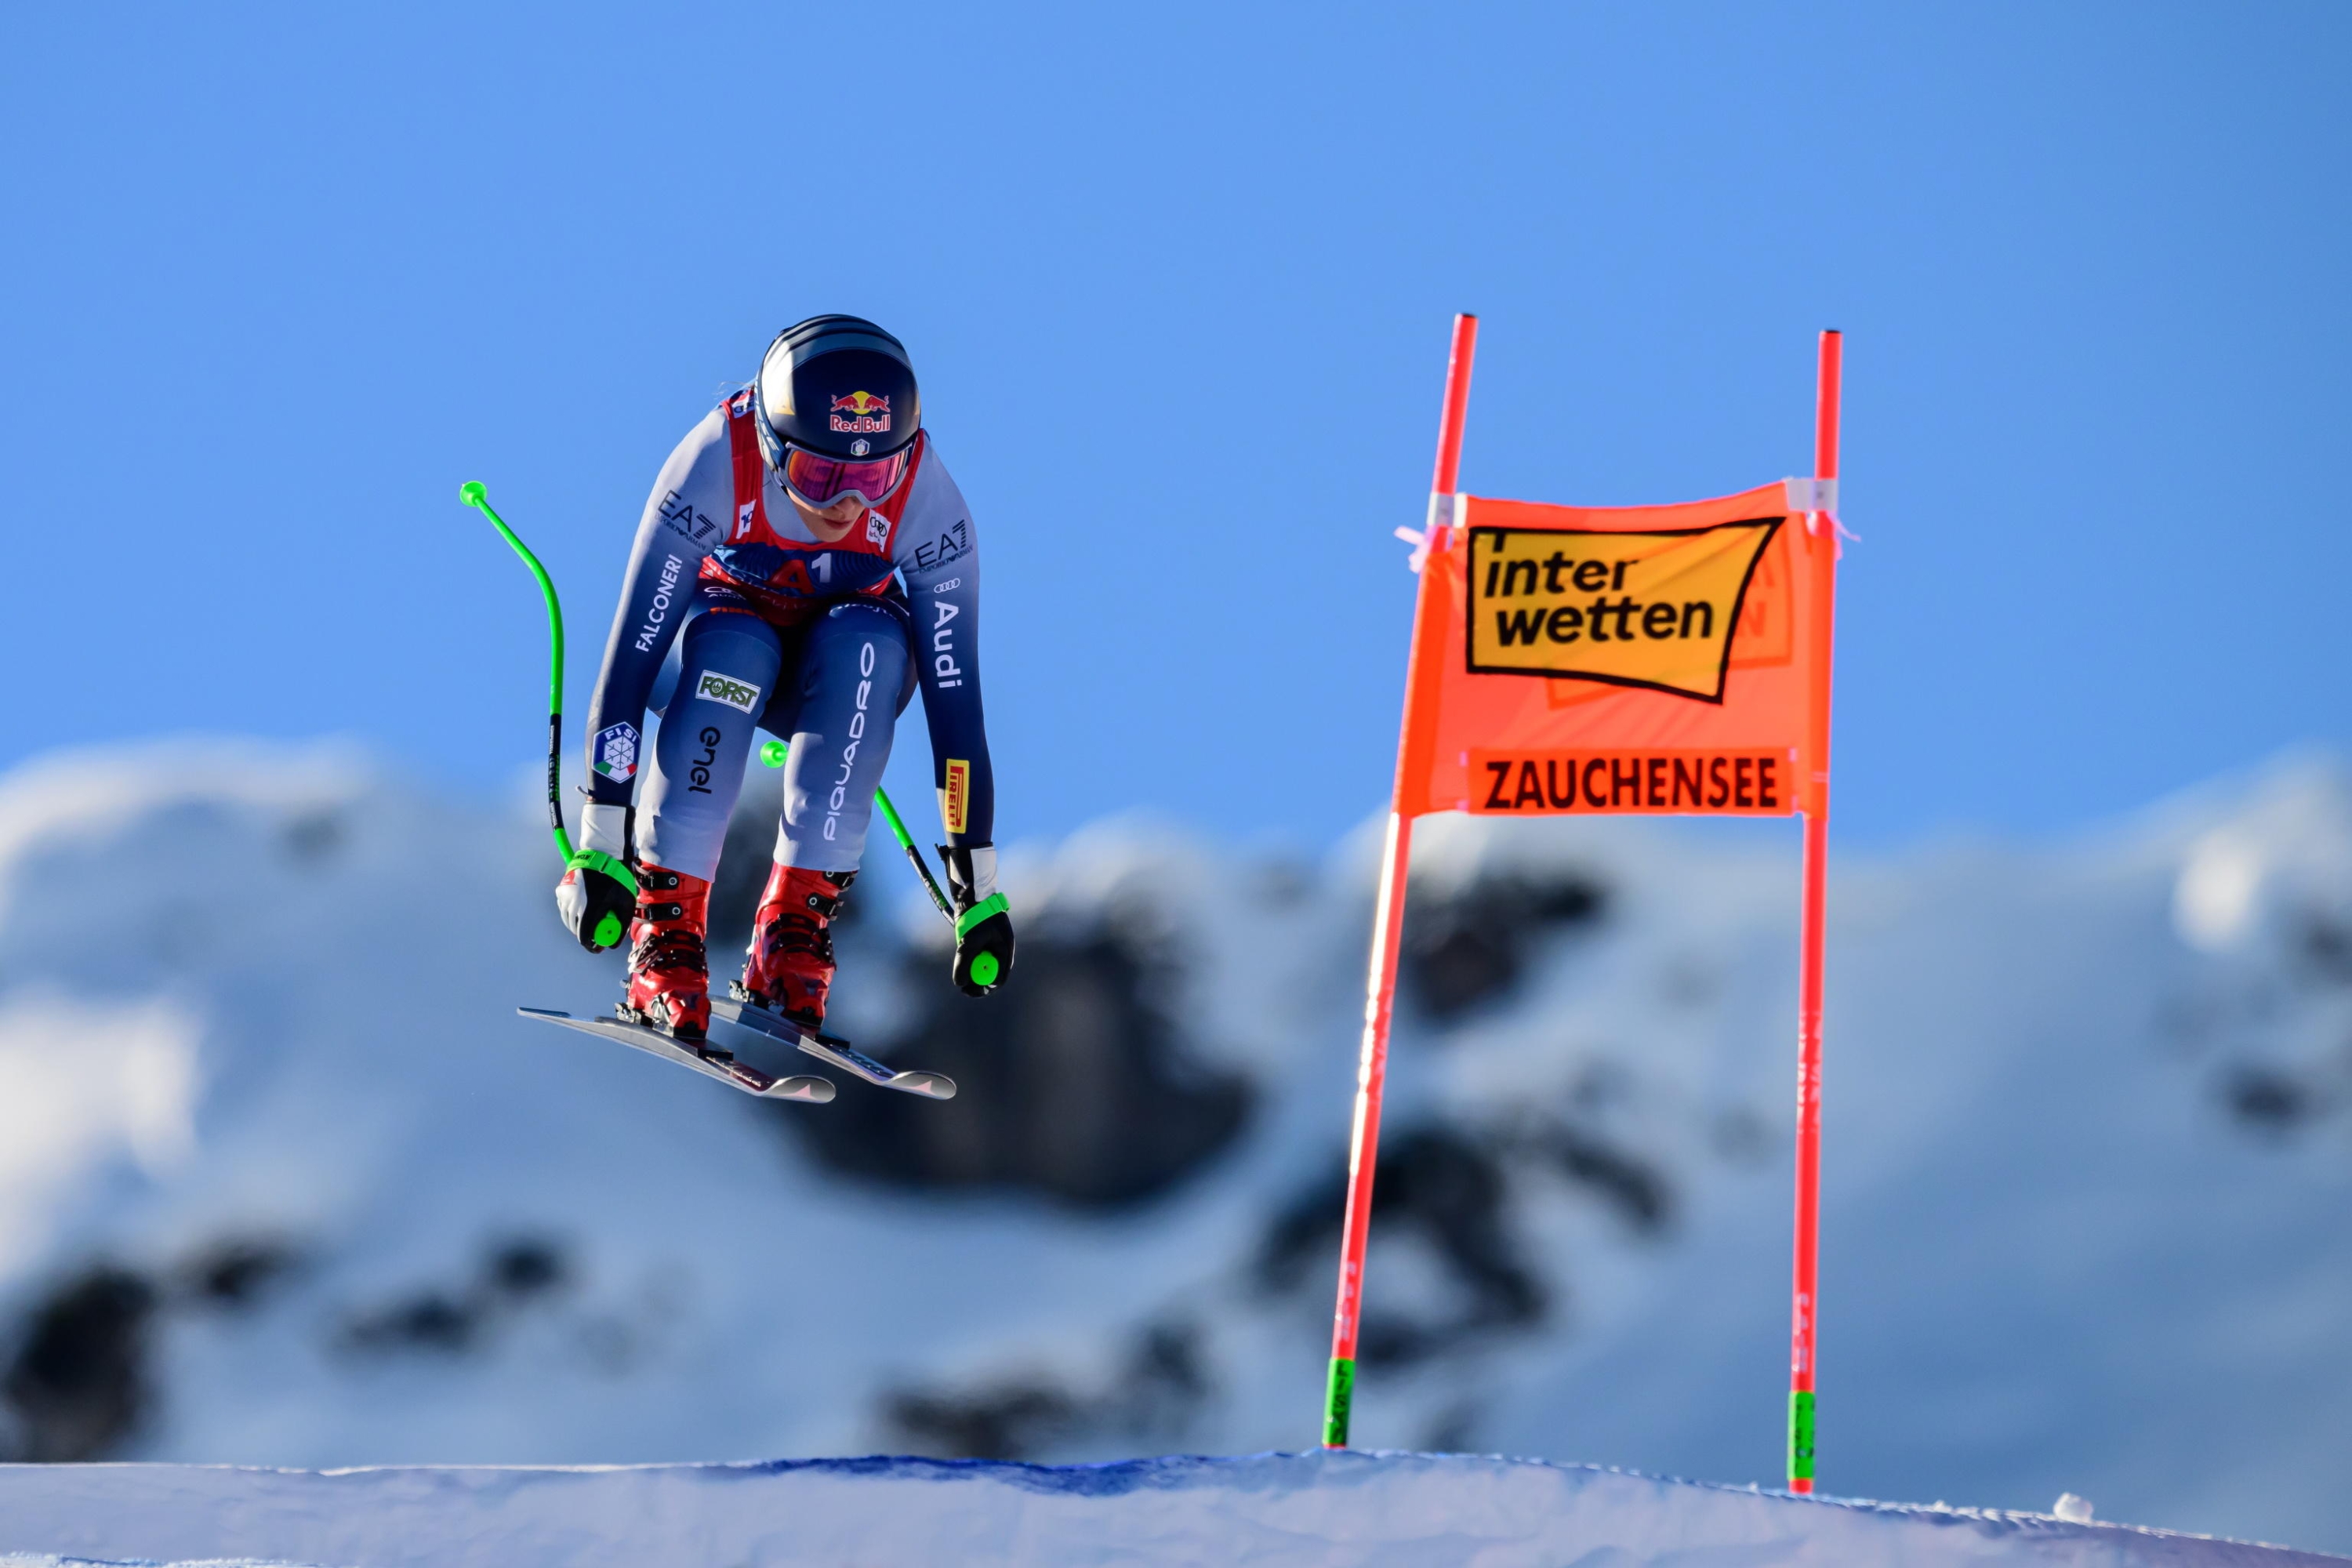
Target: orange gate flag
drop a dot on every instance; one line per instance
(1657, 659)
(1616, 660)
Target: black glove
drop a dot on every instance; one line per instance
(984, 950)
(596, 899)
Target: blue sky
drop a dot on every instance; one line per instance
(1178, 282)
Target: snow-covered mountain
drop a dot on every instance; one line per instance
(284, 1181)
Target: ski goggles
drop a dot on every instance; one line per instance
(819, 481)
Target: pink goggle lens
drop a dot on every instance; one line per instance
(821, 481)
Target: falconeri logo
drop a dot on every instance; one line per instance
(1652, 610)
(740, 695)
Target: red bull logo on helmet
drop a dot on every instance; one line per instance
(867, 414)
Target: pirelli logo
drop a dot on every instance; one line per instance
(955, 797)
(1655, 610)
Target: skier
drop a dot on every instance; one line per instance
(807, 553)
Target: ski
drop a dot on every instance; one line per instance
(735, 1074)
(826, 1048)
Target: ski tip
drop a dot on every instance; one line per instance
(808, 1091)
(471, 492)
(549, 1013)
(929, 1084)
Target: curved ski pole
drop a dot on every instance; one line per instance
(473, 495)
(774, 752)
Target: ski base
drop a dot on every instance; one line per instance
(831, 1050)
(735, 1074)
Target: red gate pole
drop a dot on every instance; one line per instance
(1388, 912)
(1822, 524)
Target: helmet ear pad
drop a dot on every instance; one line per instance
(838, 386)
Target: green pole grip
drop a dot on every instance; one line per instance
(1800, 1435)
(1338, 1397)
(472, 494)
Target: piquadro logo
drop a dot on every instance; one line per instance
(741, 695)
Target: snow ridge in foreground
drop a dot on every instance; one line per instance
(1296, 1509)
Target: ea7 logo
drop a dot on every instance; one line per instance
(741, 695)
(682, 518)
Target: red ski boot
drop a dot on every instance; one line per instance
(669, 979)
(790, 967)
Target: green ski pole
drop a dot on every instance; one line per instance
(774, 752)
(473, 495)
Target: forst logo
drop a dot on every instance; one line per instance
(740, 695)
(868, 415)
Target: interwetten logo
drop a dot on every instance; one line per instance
(741, 695)
(1652, 610)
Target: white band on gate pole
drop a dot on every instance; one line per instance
(1812, 495)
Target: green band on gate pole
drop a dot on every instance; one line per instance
(1337, 1395)
(1800, 1435)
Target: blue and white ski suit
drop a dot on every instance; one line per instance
(823, 644)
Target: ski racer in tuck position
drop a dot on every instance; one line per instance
(809, 556)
